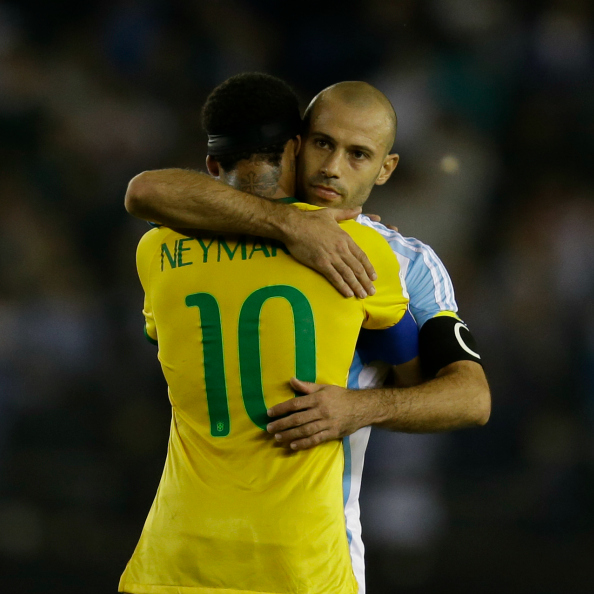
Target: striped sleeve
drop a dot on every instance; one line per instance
(426, 279)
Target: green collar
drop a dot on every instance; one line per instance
(288, 200)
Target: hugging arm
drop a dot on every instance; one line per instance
(180, 198)
(458, 396)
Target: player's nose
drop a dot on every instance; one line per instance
(331, 166)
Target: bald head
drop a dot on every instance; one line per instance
(346, 145)
(360, 96)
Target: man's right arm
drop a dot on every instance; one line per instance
(180, 198)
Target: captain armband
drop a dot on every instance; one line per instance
(444, 340)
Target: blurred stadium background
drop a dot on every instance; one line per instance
(496, 107)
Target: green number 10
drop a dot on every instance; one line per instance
(250, 365)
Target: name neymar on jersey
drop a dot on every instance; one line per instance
(212, 249)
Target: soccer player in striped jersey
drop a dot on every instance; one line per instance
(458, 393)
(431, 295)
(338, 174)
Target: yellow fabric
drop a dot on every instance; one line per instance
(234, 513)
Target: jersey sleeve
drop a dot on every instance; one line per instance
(389, 303)
(430, 287)
(396, 345)
(150, 330)
(425, 277)
(144, 258)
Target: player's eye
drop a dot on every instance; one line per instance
(359, 155)
(321, 143)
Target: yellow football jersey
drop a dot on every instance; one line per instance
(235, 318)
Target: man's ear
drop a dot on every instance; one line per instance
(297, 142)
(213, 166)
(388, 167)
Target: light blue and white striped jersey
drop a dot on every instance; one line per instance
(423, 275)
(430, 290)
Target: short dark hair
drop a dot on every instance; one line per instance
(249, 99)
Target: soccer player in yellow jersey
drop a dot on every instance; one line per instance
(235, 317)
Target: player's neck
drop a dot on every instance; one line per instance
(264, 180)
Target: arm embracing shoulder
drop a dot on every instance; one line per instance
(186, 199)
(457, 393)
(183, 199)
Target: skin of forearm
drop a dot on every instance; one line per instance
(459, 397)
(184, 199)
(192, 200)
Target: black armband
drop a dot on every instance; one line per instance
(444, 340)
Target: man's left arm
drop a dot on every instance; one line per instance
(458, 397)
(457, 394)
